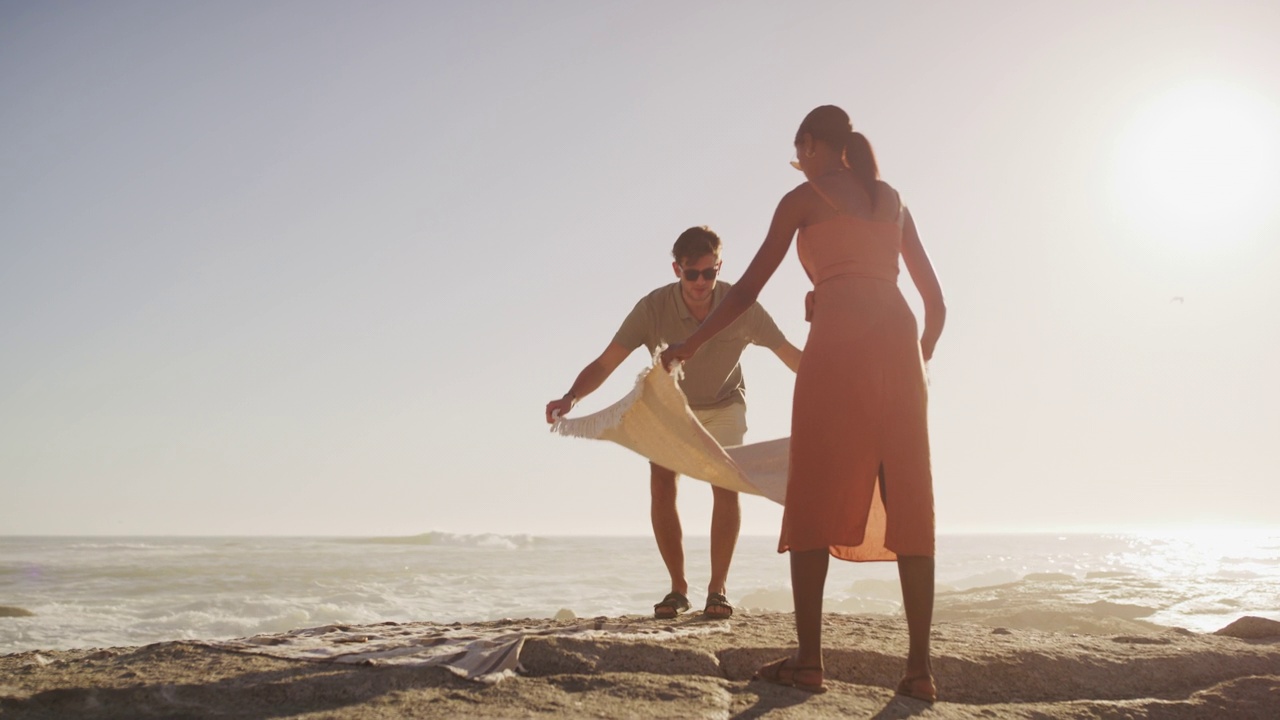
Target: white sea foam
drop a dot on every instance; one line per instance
(443, 539)
(87, 592)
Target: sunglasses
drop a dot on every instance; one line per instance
(709, 274)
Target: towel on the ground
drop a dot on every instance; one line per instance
(485, 655)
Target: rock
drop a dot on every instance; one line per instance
(1141, 640)
(1120, 610)
(1251, 628)
(775, 600)
(10, 611)
(704, 672)
(565, 614)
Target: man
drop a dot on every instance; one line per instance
(713, 384)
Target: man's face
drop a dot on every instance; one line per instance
(701, 286)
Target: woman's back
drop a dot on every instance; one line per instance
(847, 236)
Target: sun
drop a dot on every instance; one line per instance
(1200, 164)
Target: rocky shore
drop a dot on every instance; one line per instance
(983, 670)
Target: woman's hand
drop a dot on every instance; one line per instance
(559, 408)
(927, 345)
(679, 352)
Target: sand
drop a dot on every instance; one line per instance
(983, 670)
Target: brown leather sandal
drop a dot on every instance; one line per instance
(778, 672)
(718, 607)
(920, 687)
(672, 605)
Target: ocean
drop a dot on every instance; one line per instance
(114, 591)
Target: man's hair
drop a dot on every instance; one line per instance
(694, 243)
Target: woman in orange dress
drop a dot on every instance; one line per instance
(859, 486)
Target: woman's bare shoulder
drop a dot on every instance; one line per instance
(804, 189)
(800, 195)
(887, 196)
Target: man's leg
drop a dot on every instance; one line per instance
(727, 425)
(666, 525)
(726, 519)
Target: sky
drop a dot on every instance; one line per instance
(315, 268)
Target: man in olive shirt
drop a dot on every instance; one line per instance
(713, 384)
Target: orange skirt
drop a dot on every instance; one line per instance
(859, 482)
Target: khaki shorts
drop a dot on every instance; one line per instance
(727, 424)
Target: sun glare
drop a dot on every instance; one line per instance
(1200, 164)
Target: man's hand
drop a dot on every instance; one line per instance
(560, 408)
(678, 352)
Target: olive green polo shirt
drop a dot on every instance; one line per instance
(712, 377)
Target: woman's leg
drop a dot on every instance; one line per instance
(808, 578)
(916, 575)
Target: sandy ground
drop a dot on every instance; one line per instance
(983, 670)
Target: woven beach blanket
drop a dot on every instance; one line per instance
(655, 421)
(486, 654)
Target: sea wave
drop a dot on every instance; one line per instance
(445, 539)
(224, 587)
(110, 546)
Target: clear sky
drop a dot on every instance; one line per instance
(316, 267)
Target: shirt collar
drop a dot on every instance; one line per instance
(716, 296)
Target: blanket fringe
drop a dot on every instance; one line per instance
(593, 425)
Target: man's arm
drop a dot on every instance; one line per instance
(789, 355)
(591, 378)
(765, 332)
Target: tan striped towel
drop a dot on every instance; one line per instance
(655, 421)
(486, 654)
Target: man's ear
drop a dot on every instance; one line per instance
(675, 268)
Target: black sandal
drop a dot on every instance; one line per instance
(672, 605)
(720, 604)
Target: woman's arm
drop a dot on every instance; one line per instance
(926, 282)
(786, 220)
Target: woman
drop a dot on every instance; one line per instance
(859, 485)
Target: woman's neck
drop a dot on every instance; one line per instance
(828, 170)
